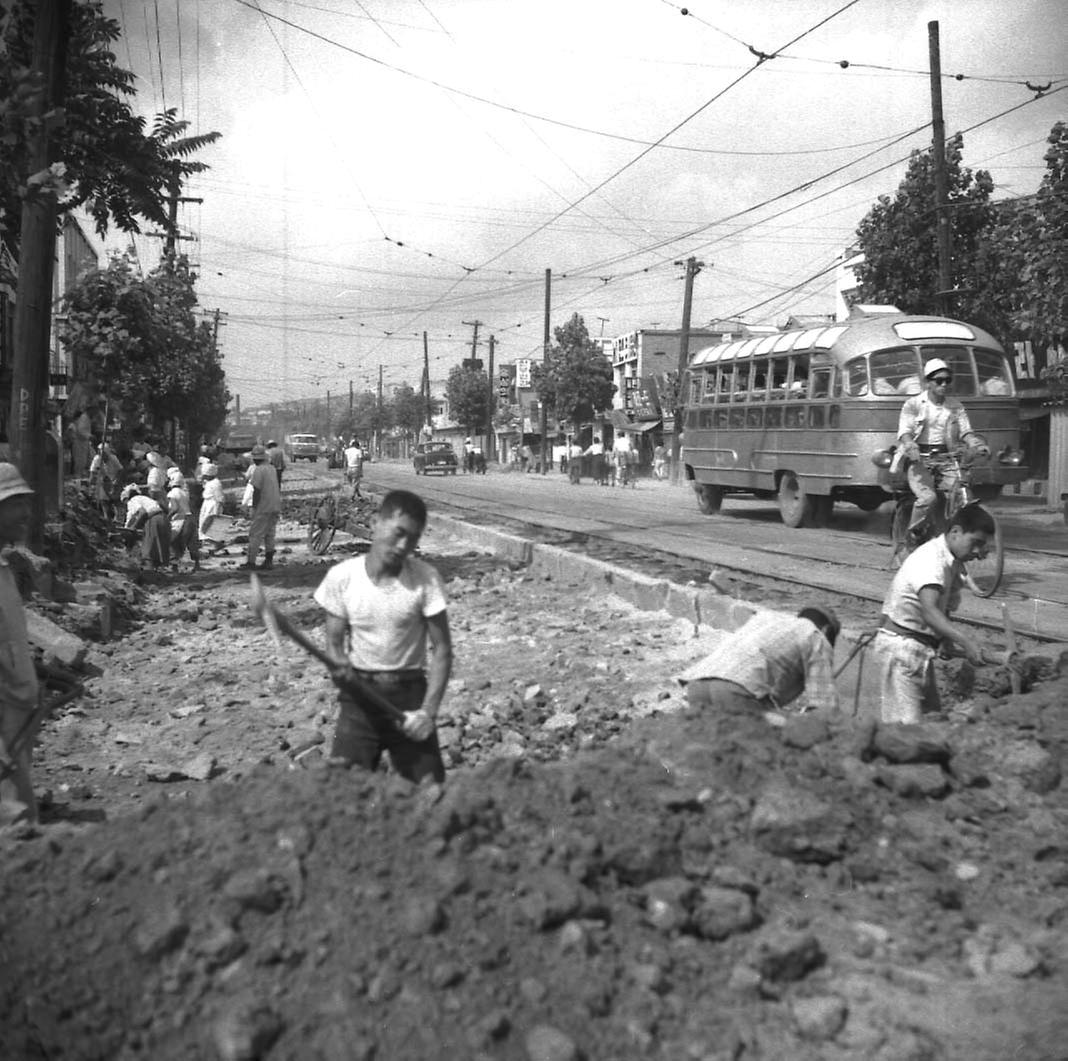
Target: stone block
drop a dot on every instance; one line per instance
(54, 641)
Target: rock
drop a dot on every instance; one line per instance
(256, 888)
(910, 744)
(54, 641)
(200, 767)
(914, 782)
(667, 902)
(562, 720)
(782, 954)
(298, 741)
(805, 731)
(546, 1043)
(493, 1026)
(162, 930)
(970, 769)
(793, 823)
(551, 898)
(422, 916)
(819, 1018)
(721, 912)
(245, 1031)
(1035, 767)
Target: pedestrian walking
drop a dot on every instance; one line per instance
(212, 505)
(147, 515)
(660, 461)
(277, 458)
(105, 479)
(18, 678)
(916, 617)
(382, 611)
(354, 465)
(469, 456)
(266, 508)
(768, 663)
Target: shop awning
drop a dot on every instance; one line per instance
(618, 420)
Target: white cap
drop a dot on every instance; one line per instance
(936, 364)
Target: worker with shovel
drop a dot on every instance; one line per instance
(18, 679)
(916, 622)
(381, 611)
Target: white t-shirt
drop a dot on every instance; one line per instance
(387, 622)
(353, 457)
(932, 564)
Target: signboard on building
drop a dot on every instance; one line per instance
(522, 372)
(472, 364)
(646, 399)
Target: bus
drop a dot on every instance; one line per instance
(808, 417)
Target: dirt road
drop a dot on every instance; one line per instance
(602, 877)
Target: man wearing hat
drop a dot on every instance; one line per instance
(277, 459)
(18, 679)
(266, 508)
(768, 663)
(932, 425)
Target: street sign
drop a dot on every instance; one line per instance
(522, 372)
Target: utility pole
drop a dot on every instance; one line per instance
(37, 252)
(378, 421)
(426, 380)
(938, 156)
(490, 403)
(604, 321)
(329, 429)
(216, 324)
(693, 267)
(350, 407)
(171, 236)
(544, 425)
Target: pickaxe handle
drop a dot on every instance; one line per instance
(280, 624)
(33, 719)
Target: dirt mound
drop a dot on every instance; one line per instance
(702, 887)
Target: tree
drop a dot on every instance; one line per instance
(407, 410)
(576, 379)
(1031, 249)
(146, 354)
(467, 390)
(103, 158)
(899, 242)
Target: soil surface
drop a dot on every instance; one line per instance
(604, 875)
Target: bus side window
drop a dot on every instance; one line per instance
(815, 416)
(759, 390)
(705, 419)
(895, 372)
(722, 417)
(777, 375)
(708, 387)
(821, 383)
(737, 417)
(856, 378)
(795, 416)
(755, 417)
(798, 385)
(993, 372)
(773, 416)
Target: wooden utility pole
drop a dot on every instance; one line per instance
(350, 409)
(426, 381)
(378, 419)
(938, 156)
(544, 424)
(37, 254)
(329, 429)
(693, 267)
(490, 403)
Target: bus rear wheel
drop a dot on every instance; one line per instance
(797, 506)
(709, 498)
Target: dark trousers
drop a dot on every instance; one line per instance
(362, 734)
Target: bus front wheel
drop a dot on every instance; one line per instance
(797, 506)
(709, 498)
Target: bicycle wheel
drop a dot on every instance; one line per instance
(322, 526)
(983, 577)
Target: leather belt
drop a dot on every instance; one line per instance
(913, 635)
(390, 678)
(929, 449)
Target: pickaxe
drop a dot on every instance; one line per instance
(279, 625)
(33, 720)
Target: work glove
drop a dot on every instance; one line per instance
(418, 725)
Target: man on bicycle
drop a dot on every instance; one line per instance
(931, 427)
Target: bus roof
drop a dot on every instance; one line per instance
(849, 338)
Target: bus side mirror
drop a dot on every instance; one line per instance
(1012, 457)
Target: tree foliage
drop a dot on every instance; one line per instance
(1031, 250)
(575, 381)
(407, 410)
(467, 391)
(143, 347)
(898, 238)
(103, 158)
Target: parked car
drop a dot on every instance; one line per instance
(435, 457)
(301, 447)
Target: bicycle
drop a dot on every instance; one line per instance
(983, 575)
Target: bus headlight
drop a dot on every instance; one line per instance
(882, 458)
(1012, 457)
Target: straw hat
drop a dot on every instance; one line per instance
(11, 482)
(154, 459)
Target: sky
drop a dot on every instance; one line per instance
(389, 167)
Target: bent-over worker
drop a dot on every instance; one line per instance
(768, 663)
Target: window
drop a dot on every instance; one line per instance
(722, 417)
(754, 417)
(993, 372)
(794, 416)
(778, 370)
(895, 372)
(855, 377)
(815, 416)
(706, 418)
(773, 416)
(959, 359)
(708, 385)
(737, 417)
(798, 377)
(821, 383)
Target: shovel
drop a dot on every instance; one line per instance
(279, 625)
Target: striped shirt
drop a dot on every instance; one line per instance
(775, 657)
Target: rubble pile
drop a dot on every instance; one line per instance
(605, 875)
